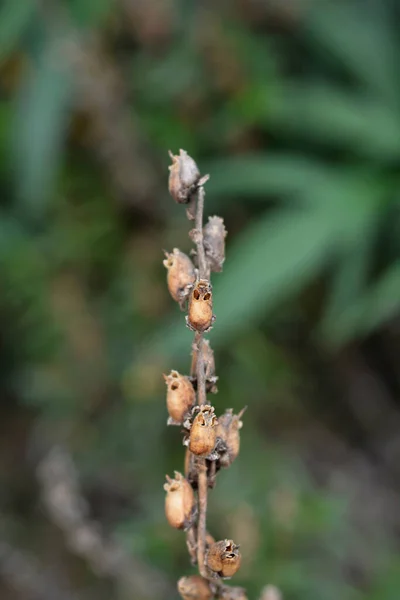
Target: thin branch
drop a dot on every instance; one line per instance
(202, 526)
(204, 272)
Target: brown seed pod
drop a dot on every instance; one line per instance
(214, 234)
(200, 316)
(180, 396)
(203, 435)
(181, 274)
(194, 588)
(223, 558)
(228, 429)
(183, 177)
(179, 502)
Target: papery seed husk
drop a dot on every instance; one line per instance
(194, 587)
(203, 435)
(180, 395)
(183, 177)
(224, 558)
(214, 243)
(179, 501)
(181, 274)
(200, 314)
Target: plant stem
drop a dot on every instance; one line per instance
(198, 238)
(201, 525)
(201, 389)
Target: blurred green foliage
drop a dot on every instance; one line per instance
(293, 108)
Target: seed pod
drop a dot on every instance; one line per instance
(224, 558)
(203, 435)
(180, 396)
(214, 234)
(181, 274)
(179, 501)
(228, 429)
(194, 588)
(183, 177)
(200, 316)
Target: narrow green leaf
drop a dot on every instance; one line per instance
(369, 312)
(41, 120)
(363, 43)
(14, 19)
(331, 116)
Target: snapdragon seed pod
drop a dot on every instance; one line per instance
(194, 588)
(200, 315)
(179, 501)
(180, 396)
(183, 177)
(181, 274)
(214, 234)
(224, 558)
(228, 429)
(203, 435)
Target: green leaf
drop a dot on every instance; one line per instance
(14, 19)
(41, 121)
(363, 43)
(367, 313)
(263, 175)
(328, 115)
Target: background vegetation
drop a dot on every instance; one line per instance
(293, 107)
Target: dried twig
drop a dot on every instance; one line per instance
(68, 509)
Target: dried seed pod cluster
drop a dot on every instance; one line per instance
(211, 442)
(223, 558)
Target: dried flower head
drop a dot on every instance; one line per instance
(194, 588)
(179, 502)
(228, 429)
(203, 434)
(214, 243)
(200, 316)
(181, 274)
(180, 396)
(224, 558)
(183, 177)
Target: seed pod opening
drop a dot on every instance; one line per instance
(203, 435)
(224, 558)
(180, 396)
(194, 587)
(200, 315)
(214, 243)
(184, 176)
(181, 274)
(228, 430)
(179, 501)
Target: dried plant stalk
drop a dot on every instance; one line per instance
(211, 442)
